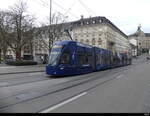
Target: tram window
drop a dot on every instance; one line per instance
(81, 59)
(80, 56)
(84, 59)
(111, 58)
(65, 58)
(97, 59)
(90, 59)
(102, 58)
(106, 59)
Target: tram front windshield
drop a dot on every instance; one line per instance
(55, 55)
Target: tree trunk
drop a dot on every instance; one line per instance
(0, 55)
(4, 54)
(18, 54)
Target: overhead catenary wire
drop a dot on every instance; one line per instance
(45, 4)
(86, 8)
(71, 6)
(68, 11)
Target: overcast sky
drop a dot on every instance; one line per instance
(125, 14)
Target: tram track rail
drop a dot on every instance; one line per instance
(76, 79)
(68, 84)
(81, 77)
(71, 85)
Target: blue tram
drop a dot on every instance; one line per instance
(73, 58)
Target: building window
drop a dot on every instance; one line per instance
(76, 40)
(99, 41)
(93, 41)
(76, 36)
(81, 40)
(100, 34)
(87, 41)
(87, 35)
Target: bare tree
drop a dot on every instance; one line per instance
(52, 32)
(4, 32)
(22, 28)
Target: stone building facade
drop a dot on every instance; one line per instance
(142, 40)
(100, 32)
(95, 31)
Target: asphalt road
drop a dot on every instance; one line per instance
(124, 89)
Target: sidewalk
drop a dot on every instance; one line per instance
(2, 64)
(6, 69)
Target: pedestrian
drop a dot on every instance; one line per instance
(41, 58)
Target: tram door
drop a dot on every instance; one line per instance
(84, 60)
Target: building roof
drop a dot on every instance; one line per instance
(89, 21)
(147, 34)
(133, 35)
(139, 32)
(97, 20)
(136, 35)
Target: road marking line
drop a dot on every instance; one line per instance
(63, 103)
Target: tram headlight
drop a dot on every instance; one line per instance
(61, 68)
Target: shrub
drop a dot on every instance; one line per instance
(21, 63)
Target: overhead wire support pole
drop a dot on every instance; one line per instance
(50, 23)
(50, 12)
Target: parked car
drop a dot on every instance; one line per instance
(9, 58)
